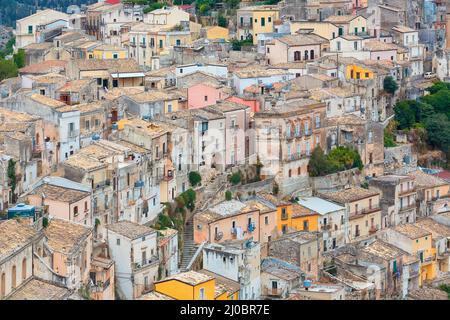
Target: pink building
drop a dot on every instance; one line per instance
(206, 94)
(253, 104)
(63, 202)
(238, 142)
(230, 220)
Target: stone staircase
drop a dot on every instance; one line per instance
(189, 246)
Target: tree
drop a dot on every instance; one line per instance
(438, 131)
(404, 114)
(222, 22)
(8, 69)
(189, 197)
(390, 85)
(11, 172)
(19, 58)
(317, 165)
(228, 195)
(194, 178)
(440, 101)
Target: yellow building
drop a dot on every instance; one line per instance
(416, 241)
(255, 20)
(193, 285)
(358, 73)
(109, 52)
(217, 32)
(292, 216)
(324, 29)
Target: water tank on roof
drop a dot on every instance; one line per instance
(96, 137)
(268, 85)
(22, 210)
(307, 283)
(115, 126)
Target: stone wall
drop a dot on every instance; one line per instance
(400, 159)
(336, 181)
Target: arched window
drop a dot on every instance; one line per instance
(24, 268)
(3, 285)
(311, 54)
(13, 277)
(306, 55)
(297, 56)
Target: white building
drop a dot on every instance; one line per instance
(133, 247)
(258, 76)
(239, 261)
(167, 16)
(217, 70)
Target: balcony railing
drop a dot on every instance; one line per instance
(407, 191)
(251, 227)
(145, 263)
(296, 156)
(373, 230)
(363, 211)
(408, 207)
(326, 227)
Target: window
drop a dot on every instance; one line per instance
(263, 22)
(370, 137)
(115, 56)
(355, 45)
(87, 125)
(118, 241)
(202, 293)
(206, 98)
(283, 214)
(30, 29)
(169, 108)
(24, 268)
(269, 19)
(297, 56)
(75, 211)
(161, 44)
(266, 220)
(13, 277)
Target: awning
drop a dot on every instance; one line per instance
(128, 75)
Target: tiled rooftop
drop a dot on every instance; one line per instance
(130, 229)
(64, 236)
(57, 193)
(39, 290)
(349, 195)
(14, 236)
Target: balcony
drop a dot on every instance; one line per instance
(326, 227)
(251, 227)
(143, 45)
(296, 156)
(308, 132)
(406, 192)
(139, 184)
(373, 230)
(363, 212)
(145, 263)
(275, 292)
(168, 176)
(73, 134)
(408, 207)
(132, 44)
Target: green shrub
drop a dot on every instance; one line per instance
(236, 178)
(194, 178)
(228, 195)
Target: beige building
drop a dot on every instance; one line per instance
(32, 29)
(364, 212)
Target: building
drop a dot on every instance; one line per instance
(300, 47)
(363, 209)
(432, 194)
(238, 261)
(134, 249)
(302, 249)
(193, 285)
(235, 220)
(333, 221)
(252, 21)
(39, 27)
(64, 199)
(168, 251)
(67, 253)
(398, 199)
(285, 137)
(16, 255)
(415, 241)
(279, 278)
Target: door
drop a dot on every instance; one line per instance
(274, 287)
